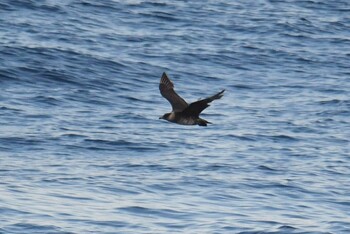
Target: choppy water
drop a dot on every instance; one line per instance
(82, 149)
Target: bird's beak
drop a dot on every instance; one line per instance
(161, 117)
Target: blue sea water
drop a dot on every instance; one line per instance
(82, 149)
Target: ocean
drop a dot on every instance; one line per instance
(82, 148)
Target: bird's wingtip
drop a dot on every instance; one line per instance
(221, 93)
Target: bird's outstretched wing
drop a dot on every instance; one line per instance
(166, 88)
(195, 108)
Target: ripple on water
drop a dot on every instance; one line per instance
(33, 228)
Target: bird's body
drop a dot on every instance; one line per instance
(183, 113)
(180, 118)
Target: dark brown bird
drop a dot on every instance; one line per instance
(183, 113)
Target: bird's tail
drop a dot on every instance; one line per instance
(202, 122)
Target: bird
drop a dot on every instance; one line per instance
(183, 113)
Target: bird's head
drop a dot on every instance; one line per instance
(165, 116)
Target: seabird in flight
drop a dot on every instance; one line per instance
(183, 113)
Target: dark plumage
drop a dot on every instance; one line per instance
(183, 113)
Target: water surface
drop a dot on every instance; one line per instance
(83, 151)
